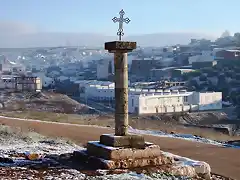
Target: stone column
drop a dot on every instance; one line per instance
(121, 93)
(120, 49)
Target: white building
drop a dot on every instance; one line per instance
(149, 101)
(205, 56)
(169, 102)
(93, 89)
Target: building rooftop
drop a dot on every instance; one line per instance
(185, 69)
(172, 67)
(94, 82)
(155, 94)
(8, 76)
(233, 50)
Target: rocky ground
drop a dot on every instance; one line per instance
(41, 101)
(53, 174)
(33, 156)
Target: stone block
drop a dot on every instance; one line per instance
(96, 149)
(136, 163)
(184, 165)
(80, 155)
(165, 162)
(99, 163)
(128, 141)
(125, 46)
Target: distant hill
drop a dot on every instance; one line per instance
(161, 39)
(89, 39)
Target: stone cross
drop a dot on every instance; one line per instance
(120, 49)
(120, 21)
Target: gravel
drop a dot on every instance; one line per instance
(24, 173)
(63, 174)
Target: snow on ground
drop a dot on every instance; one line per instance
(14, 142)
(188, 137)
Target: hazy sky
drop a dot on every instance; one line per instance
(148, 16)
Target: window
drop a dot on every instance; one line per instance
(185, 99)
(132, 102)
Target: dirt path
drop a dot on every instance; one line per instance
(224, 161)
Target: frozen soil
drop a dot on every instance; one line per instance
(53, 164)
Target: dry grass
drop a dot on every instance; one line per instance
(44, 116)
(8, 134)
(138, 123)
(63, 118)
(44, 101)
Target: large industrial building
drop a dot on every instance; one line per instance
(175, 101)
(150, 101)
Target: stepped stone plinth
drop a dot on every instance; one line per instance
(130, 155)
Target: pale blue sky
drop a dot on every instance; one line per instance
(147, 16)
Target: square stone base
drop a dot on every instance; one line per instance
(129, 141)
(95, 148)
(166, 162)
(136, 161)
(122, 152)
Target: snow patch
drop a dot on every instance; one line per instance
(188, 137)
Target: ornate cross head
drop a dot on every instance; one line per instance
(121, 20)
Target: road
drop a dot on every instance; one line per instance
(223, 161)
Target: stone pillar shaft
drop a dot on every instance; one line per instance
(120, 50)
(121, 93)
